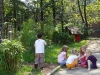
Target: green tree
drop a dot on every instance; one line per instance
(15, 10)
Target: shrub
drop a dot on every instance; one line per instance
(30, 29)
(71, 38)
(11, 53)
(62, 37)
(55, 37)
(28, 34)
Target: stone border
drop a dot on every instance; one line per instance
(55, 69)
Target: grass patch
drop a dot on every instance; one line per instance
(27, 70)
(28, 56)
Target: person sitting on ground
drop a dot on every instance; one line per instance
(62, 57)
(91, 61)
(72, 61)
(82, 56)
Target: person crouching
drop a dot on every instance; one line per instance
(72, 61)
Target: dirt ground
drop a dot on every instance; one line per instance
(47, 67)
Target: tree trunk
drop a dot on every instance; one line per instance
(41, 7)
(78, 2)
(62, 10)
(2, 18)
(85, 17)
(36, 12)
(53, 9)
(14, 16)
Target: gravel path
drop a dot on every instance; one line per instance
(94, 46)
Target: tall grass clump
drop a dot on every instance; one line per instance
(11, 55)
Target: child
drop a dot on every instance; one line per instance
(82, 57)
(62, 57)
(72, 60)
(91, 61)
(39, 51)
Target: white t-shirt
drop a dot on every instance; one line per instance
(61, 57)
(71, 58)
(84, 54)
(39, 46)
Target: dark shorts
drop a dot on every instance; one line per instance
(92, 66)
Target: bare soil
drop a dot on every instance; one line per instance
(47, 67)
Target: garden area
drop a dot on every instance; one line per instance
(61, 22)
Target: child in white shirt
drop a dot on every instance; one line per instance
(39, 51)
(72, 60)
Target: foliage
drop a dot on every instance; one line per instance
(64, 11)
(48, 31)
(28, 34)
(28, 56)
(30, 29)
(62, 37)
(11, 54)
(94, 11)
(28, 37)
(70, 11)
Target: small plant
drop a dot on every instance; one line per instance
(11, 53)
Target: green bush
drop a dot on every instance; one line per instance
(11, 54)
(71, 38)
(28, 56)
(55, 37)
(48, 34)
(30, 29)
(28, 34)
(62, 37)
